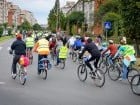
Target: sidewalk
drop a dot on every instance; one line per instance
(138, 63)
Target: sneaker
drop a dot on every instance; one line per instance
(93, 75)
(14, 75)
(120, 79)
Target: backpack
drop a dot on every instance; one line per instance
(24, 61)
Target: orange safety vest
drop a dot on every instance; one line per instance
(43, 47)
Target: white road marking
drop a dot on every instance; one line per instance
(2, 83)
(1, 48)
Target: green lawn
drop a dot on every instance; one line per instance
(3, 38)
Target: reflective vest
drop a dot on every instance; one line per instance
(43, 47)
(63, 52)
(127, 50)
(29, 42)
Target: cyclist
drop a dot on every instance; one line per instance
(77, 44)
(19, 48)
(29, 43)
(127, 51)
(93, 51)
(42, 48)
(59, 44)
(112, 48)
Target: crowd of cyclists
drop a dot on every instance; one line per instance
(44, 44)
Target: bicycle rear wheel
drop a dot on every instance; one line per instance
(62, 64)
(82, 73)
(22, 75)
(99, 78)
(114, 73)
(131, 73)
(135, 84)
(43, 74)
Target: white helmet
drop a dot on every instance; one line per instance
(111, 41)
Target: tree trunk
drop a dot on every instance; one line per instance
(137, 47)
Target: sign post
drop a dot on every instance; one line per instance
(107, 26)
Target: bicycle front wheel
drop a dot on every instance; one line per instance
(99, 78)
(135, 84)
(103, 66)
(43, 74)
(22, 76)
(113, 73)
(131, 73)
(82, 73)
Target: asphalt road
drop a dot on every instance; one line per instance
(62, 87)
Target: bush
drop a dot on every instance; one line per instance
(9, 31)
(1, 31)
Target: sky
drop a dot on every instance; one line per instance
(40, 8)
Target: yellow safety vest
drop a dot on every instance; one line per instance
(43, 47)
(29, 42)
(63, 52)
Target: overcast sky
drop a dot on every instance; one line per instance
(40, 8)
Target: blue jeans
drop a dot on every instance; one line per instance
(124, 71)
(39, 58)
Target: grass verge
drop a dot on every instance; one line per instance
(3, 38)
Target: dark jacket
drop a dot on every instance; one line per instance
(19, 47)
(92, 49)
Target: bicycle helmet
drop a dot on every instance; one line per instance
(110, 41)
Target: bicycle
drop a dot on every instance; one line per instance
(44, 66)
(29, 55)
(98, 78)
(21, 73)
(114, 72)
(135, 84)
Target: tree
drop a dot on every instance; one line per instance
(131, 20)
(1, 31)
(25, 26)
(75, 18)
(36, 27)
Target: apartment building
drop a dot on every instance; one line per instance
(3, 11)
(88, 9)
(67, 7)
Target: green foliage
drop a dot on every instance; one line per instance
(76, 18)
(25, 26)
(36, 27)
(9, 31)
(1, 31)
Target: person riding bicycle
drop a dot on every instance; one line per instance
(112, 48)
(19, 48)
(29, 43)
(93, 51)
(77, 44)
(42, 48)
(128, 53)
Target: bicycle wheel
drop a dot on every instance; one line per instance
(62, 64)
(22, 75)
(103, 66)
(74, 57)
(135, 84)
(99, 79)
(43, 74)
(82, 73)
(114, 72)
(131, 73)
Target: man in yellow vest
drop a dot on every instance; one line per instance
(42, 48)
(29, 44)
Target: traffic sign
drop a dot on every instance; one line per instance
(107, 25)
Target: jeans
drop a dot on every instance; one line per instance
(124, 71)
(39, 58)
(15, 61)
